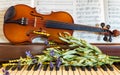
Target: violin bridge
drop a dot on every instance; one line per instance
(35, 21)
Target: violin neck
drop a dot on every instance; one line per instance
(62, 25)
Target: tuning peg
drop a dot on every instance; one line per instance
(105, 38)
(110, 38)
(108, 26)
(102, 25)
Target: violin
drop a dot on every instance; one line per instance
(20, 21)
(22, 24)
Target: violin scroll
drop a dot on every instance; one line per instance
(116, 33)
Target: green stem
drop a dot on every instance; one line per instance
(114, 57)
(115, 60)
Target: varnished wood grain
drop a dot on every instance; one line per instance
(10, 51)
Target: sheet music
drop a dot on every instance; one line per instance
(113, 13)
(83, 11)
(86, 12)
(47, 6)
(89, 12)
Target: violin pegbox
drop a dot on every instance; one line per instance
(108, 34)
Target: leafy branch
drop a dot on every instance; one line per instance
(78, 53)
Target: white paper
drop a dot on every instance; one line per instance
(87, 12)
(113, 13)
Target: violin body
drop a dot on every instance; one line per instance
(17, 32)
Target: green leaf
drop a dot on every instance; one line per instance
(70, 52)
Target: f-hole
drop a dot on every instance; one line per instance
(33, 14)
